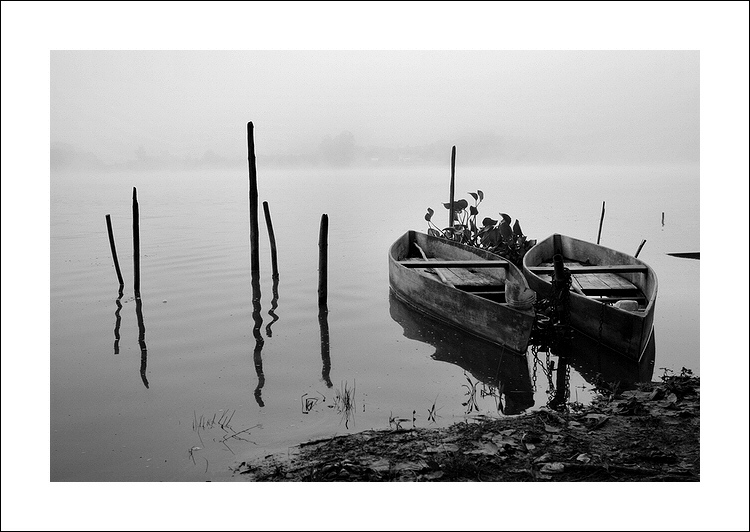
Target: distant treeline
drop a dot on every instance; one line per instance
(342, 150)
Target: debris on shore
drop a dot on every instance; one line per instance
(650, 433)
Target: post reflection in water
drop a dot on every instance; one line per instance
(325, 346)
(597, 364)
(141, 339)
(490, 364)
(118, 319)
(257, 324)
(274, 304)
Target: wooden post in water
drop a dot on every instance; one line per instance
(136, 246)
(452, 213)
(662, 219)
(254, 257)
(114, 251)
(272, 238)
(323, 264)
(601, 221)
(643, 242)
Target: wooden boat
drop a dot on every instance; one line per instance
(612, 297)
(469, 288)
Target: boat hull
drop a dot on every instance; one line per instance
(624, 331)
(497, 322)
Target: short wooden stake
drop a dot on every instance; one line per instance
(323, 263)
(136, 246)
(601, 221)
(643, 242)
(114, 251)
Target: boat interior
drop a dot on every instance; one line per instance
(483, 278)
(602, 283)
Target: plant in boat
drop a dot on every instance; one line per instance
(497, 236)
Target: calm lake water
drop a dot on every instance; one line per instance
(194, 381)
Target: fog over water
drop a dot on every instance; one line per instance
(150, 109)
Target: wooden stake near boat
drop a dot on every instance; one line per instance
(643, 242)
(601, 221)
(452, 212)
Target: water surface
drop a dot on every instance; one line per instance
(144, 394)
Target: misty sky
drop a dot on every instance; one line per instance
(509, 106)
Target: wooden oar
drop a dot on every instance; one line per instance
(439, 273)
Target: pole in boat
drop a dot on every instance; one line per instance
(601, 221)
(560, 293)
(114, 251)
(272, 238)
(452, 212)
(323, 264)
(254, 258)
(136, 246)
(643, 242)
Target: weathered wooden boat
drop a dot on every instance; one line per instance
(472, 289)
(612, 294)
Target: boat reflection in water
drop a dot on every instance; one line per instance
(603, 368)
(509, 372)
(596, 363)
(488, 363)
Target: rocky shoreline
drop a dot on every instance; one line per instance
(649, 433)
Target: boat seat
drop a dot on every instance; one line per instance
(421, 263)
(606, 268)
(473, 288)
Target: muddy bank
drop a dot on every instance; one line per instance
(649, 433)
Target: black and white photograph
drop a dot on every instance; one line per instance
(325, 253)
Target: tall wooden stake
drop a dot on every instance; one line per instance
(272, 238)
(601, 221)
(452, 212)
(323, 264)
(114, 251)
(254, 257)
(136, 246)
